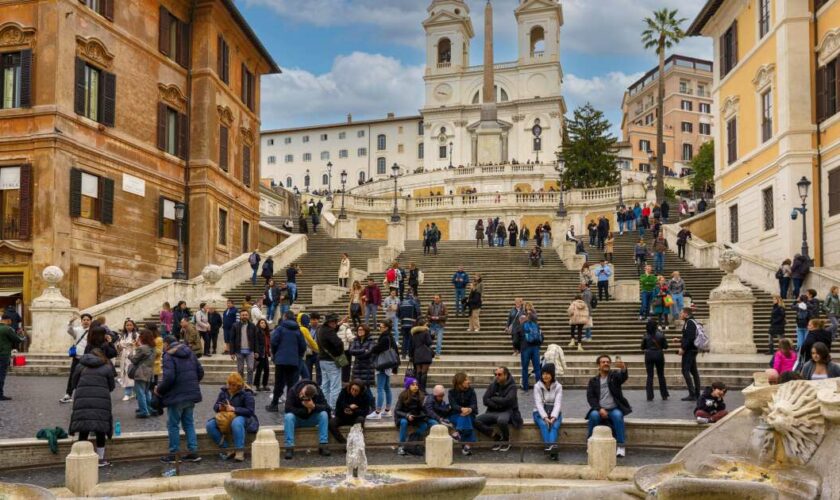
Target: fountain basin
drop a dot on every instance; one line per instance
(385, 483)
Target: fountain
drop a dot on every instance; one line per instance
(354, 481)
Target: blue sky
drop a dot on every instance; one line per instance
(366, 57)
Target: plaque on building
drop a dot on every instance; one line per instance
(134, 185)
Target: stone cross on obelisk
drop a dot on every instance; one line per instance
(489, 141)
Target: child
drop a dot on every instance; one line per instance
(710, 405)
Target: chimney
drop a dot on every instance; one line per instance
(349, 118)
(390, 116)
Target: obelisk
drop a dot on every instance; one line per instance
(489, 143)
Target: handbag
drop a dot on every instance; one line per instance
(388, 359)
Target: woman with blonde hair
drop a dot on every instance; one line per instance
(234, 418)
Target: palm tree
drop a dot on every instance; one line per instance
(663, 32)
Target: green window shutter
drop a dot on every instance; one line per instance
(75, 192)
(107, 200)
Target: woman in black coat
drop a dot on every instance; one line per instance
(92, 382)
(362, 351)
(421, 352)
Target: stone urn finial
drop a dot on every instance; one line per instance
(212, 274)
(729, 261)
(52, 275)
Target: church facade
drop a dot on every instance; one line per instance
(528, 93)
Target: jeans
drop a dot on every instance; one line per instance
(678, 305)
(530, 354)
(797, 285)
(549, 434)
(614, 416)
(646, 298)
(800, 338)
(332, 381)
(422, 427)
(659, 262)
(370, 312)
(383, 390)
(437, 330)
(285, 377)
(688, 363)
(254, 275)
(321, 420)
(464, 426)
(237, 430)
(655, 359)
(181, 415)
(460, 293)
(141, 389)
(784, 286)
(244, 361)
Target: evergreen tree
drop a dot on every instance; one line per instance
(589, 150)
(703, 165)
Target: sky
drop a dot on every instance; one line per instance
(367, 57)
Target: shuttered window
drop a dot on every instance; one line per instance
(247, 93)
(167, 226)
(729, 50)
(91, 196)
(16, 202)
(731, 141)
(223, 60)
(174, 38)
(246, 165)
(834, 192)
(223, 148)
(172, 131)
(16, 83)
(96, 93)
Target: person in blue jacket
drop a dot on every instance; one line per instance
(238, 398)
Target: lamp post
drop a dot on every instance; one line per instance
(803, 186)
(306, 180)
(329, 181)
(179, 273)
(395, 217)
(560, 166)
(537, 131)
(450, 154)
(342, 215)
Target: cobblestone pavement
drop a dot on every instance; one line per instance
(54, 476)
(35, 405)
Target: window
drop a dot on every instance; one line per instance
(729, 50)
(324, 137)
(834, 192)
(361, 152)
(222, 238)
(307, 156)
(325, 155)
(167, 227)
(16, 202)
(705, 108)
(95, 93)
(644, 146)
(342, 135)
(644, 167)
(289, 158)
(420, 128)
(420, 151)
(174, 38)
(731, 141)
(705, 129)
(687, 152)
(766, 116)
(380, 142)
(286, 140)
(733, 224)
(325, 179)
(16, 88)
(342, 153)
(288, 182)
(767, 208)
(223, 149)
(246, 165)
(686, 105)
(248, 87)
(104, 8)
(400, 148)
(827, 90)
(360, 134)
(223, 59)
(172, 131)
(380, 166)
(687, 127)
(306, 138)
(763, 17)
(442, 152)
(246, 236)
(272, 160)
(91, 197)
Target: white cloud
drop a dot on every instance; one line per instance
(603, 92)
(366, 85)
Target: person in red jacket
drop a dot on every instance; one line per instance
(373, 299)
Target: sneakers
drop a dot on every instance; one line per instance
(702, 420)
(191, 457)
(466, 451)
(374, 415)
(66, 399)
(619, 452)
(401, 451)
(324, 451)
(290, 454)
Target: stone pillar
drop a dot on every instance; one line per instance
(265, 450)
(730, 326)
(396, 236)
(81, 469)
(439, 447)
(212, 295)
(600, 450)
(51, 313)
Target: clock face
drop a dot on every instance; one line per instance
(443, 92)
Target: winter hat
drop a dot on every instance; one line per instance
(408, 381)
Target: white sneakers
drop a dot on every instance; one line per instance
(619, 451)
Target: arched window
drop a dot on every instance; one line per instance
(380, 142)
(288, 182)
(444, 51)
(380, 166)
(325, 179)
(537, 41)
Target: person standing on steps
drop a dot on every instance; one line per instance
(654, 345)
(502, 405)
(606, 400)
(229, 317)
(343, 270)
(688, 353)
(254, 260)
(436, 317)
(660, 246)
(647, 291)
(373, 299)
(682, 239)
(527, 341)
(288, 348)
(578, 319)
(603, 273)
(460, 280)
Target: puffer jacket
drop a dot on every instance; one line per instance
(93, 380)
(144, 359)
(578, 313)
(363, 361)
(182, 373)
(243, 404)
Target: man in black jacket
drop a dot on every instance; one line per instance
(306, 407)
(688, 351)
(243, 345)
(607, 404)
(502, 409)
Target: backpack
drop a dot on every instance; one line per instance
(533, 335)
(391, 275)
(701, 341)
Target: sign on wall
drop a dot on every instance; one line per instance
(134, 185)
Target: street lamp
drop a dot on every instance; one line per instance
(342, 214)
(537, 131)
(395, 217)
(179, 273)
(306, 180)
(803, 186)
(560, 166)
(329, 181)
(450, 154)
